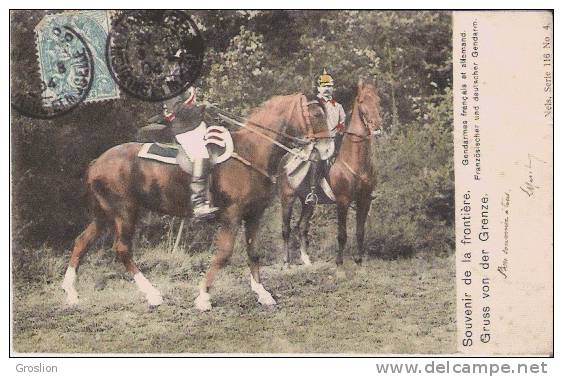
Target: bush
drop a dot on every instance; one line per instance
(414, 197)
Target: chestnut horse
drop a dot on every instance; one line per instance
(119, 184)
(351, 177)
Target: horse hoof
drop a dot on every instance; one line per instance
(305, 259)
(154, 299)
(267, 300)
(202, 302)
(340, 274)
(71, 296)
(72, 301)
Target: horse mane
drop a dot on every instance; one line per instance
(264, 114)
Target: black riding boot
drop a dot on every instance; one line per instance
(201, 208)
(314, 176)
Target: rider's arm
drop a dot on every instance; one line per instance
(156, 119)
(163, 118)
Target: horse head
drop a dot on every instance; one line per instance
(367, 102)
(309, 120)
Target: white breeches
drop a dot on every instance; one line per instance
(193, 142)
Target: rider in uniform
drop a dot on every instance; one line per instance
(335, 118)
(184, 116)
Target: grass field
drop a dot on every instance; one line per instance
(385, 306)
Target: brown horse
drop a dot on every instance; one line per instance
(119, 184)
(351, 177)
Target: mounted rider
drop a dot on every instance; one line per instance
(336, 119)
(185, 118)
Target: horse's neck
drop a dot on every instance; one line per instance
(355, 152)
(260, 152)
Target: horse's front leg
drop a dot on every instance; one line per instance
(225, 242)
(307, 211)
(287, 199)
(251, 232)
(342, 213)
(362, 211)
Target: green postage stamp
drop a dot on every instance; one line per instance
(93, 27)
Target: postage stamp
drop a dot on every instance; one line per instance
(419, 220)
(93, 26)
(67, 75)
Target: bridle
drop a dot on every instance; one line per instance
(366, 123)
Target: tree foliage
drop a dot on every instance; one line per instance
(251, 56)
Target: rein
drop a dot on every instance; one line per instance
(365, 124)
(274, 141)
(230, 118)
(236, 156)
(238, 120)
(361, 137)
(311, 136)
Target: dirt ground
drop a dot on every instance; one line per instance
(382, 307)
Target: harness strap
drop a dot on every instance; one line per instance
(320, 135)
(361, 137)
(353, 172)
(364, 137)
(236, 123)
(238, 157)
(254, 124)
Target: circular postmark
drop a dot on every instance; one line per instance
(66, 73)
(153, 54)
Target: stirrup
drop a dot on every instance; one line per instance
(204, 212)
(311, 198)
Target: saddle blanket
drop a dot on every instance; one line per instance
(297, 168)
(160, 152)
(218, 141)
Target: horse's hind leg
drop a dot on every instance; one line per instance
(251, 231)
(303, 225)
(124, 229)
(81, 244)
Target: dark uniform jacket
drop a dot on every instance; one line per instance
(183, 118)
